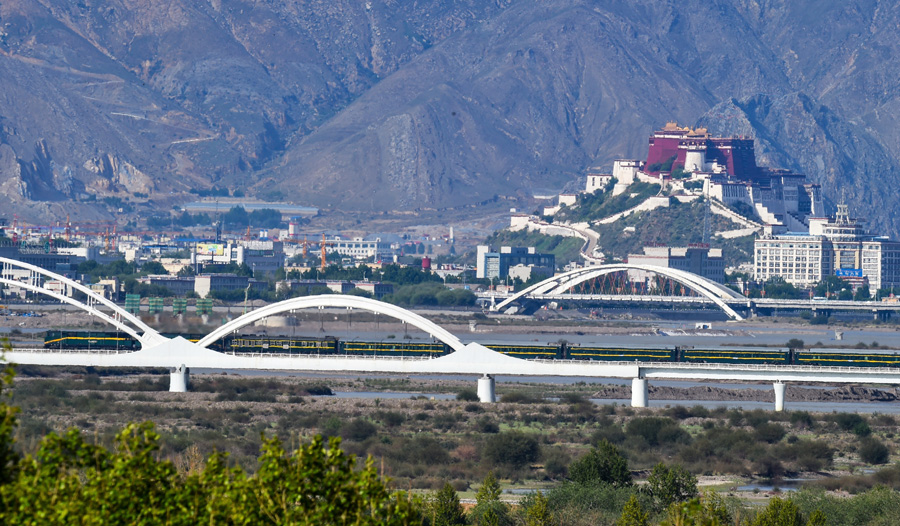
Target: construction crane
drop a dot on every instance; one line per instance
(324, 244)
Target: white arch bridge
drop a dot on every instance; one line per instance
(472, 358)
(559, 284)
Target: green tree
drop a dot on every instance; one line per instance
(489, 510)
(795, 343)
(777, 288)
(779, 513)
(873, 451)
(708, 510)
(537, 510)
(831, 286)
(70, 480)
(8, 422)
(153, 267)
(512, 448)
(633, 514)
(445, 509)
(489, 490)
(603, 464)
(670, 484)
(862, 294)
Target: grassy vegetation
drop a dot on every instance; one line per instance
(598, 205)
(424, 443)
(587, 459)
(678, 225)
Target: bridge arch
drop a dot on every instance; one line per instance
(120, 317)
(560, 283)
(335, 300)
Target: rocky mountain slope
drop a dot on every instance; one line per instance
(403, 105)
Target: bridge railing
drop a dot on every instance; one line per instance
(728, 366)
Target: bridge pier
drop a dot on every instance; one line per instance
(179, 379)
(881, 315)
(779, 395)
(639, 392)
(486, 389)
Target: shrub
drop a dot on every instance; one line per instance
(467, 395)
(390, 418)
(769, 432)
(486, 425)
(423, 449)
(670, 484)
(358, 430)
(512, 448)
(849, 421)
(656, 430)
(603, 464)
(873, 451)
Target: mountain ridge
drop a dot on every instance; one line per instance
(403, 106)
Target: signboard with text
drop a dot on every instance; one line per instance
(849, 273)
(210, 249)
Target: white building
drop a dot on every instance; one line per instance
(360, 249)
(261, 256)
(838, 246)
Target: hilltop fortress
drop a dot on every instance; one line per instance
(724, 168)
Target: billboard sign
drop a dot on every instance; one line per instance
(210, 249)
(848, 273)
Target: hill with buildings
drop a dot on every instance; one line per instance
(416, 106)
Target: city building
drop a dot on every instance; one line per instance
(204, 284)
(179, 286)
(840, 246)
(696, 259)
(360, 248)
(496, 265)
(264, 257)
(377, 289)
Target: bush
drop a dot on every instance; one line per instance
(668, 485)
(873, 451)
(656, 430)
(512, 448)
(604, 464)
(467, 395)
(770, 432)
(358, 430)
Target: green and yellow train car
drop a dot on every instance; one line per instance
(90, 340)
(843, 359)
(613, 354)
(393, 348)
(275, 345)
(736, 356)
(528, 352)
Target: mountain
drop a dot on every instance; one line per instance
(403, 105)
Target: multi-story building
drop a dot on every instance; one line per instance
(493, 265)
(177, 285)
(696, 259)
(261, 256)
(204, 284)
(839, 246)
(360, 248)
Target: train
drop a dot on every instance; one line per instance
(256, 344)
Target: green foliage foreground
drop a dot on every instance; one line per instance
(71, 481)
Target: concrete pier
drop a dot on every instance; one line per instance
(179, 379)
(486, 389)
(639, 392)
(779, 395)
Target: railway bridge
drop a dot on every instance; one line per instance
(179, 355)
